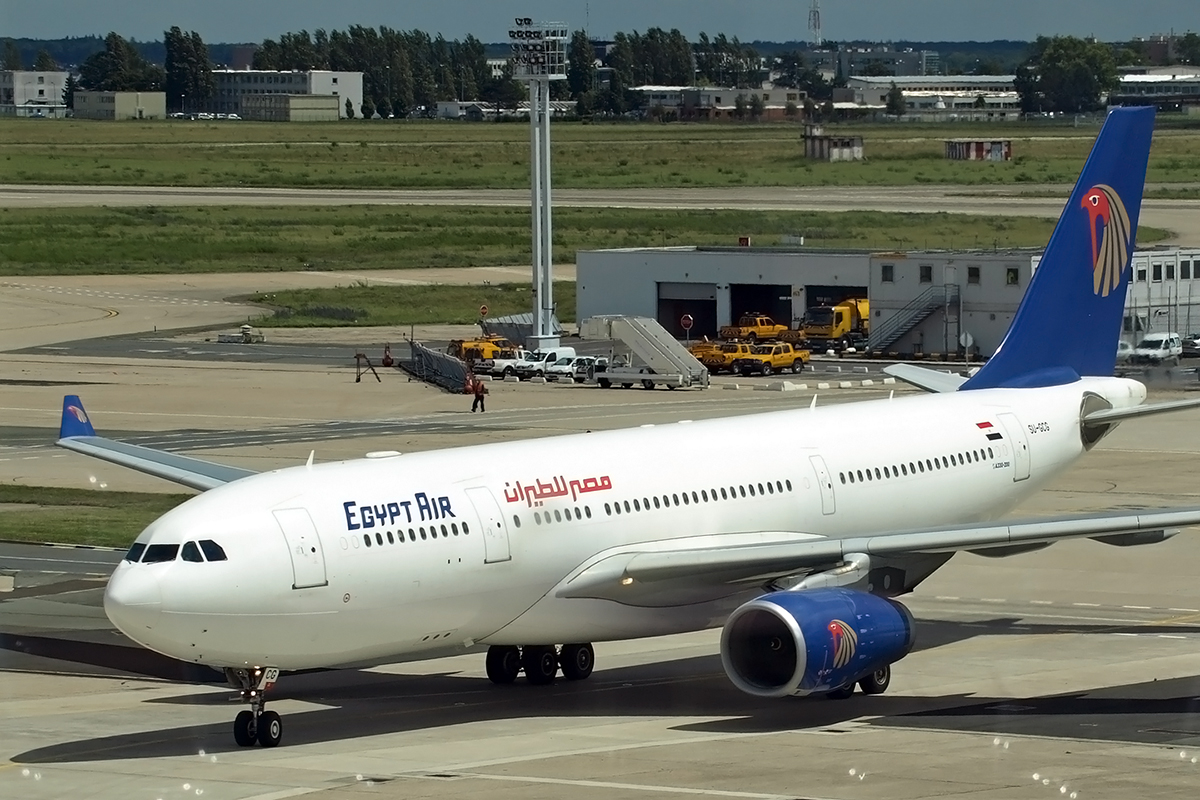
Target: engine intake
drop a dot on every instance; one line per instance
(800, 643)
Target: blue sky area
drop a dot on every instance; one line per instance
(775, 20)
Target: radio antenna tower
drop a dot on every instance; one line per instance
(814, 23)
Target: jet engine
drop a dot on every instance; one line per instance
(807, 642)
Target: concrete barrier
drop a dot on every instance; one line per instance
(868, 382)
(511, 379)
(861, 369)
(889, 381)
(822, 385)
(536, 380)
(845, 385)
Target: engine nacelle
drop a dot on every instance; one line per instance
(799, 643)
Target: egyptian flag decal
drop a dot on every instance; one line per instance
(990, 430)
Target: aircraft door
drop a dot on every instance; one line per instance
(308, 558)
(1019, 443)
(495, 532)
(825, 482)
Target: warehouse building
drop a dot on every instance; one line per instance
(26, 93)
(235, 84)
(291, 107)
(120, 105)
(922, 302)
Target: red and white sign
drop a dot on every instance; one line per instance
(483, 311)
(686, 322)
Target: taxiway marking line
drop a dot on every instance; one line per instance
(639, 787)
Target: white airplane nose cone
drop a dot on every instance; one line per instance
(133, 599)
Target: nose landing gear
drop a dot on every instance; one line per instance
(256, 724)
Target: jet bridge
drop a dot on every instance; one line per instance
(663, 356)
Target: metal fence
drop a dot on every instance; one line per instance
(434, 367)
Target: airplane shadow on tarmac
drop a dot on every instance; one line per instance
(365, 704)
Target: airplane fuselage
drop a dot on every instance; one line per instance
(428, 554)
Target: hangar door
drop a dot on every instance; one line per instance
(697, 299)
(774, 300)
(819, 295)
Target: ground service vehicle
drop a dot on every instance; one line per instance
(765, 359)
(503, 364)
(479, 349)
(534, 365)
(723, 357)
(1158, 348)
(837, 326)
(753, 327)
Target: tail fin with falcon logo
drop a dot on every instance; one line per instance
(1069, 321)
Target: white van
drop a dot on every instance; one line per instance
(1158, 348)
(534, 364)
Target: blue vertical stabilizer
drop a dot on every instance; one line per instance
(1069, 321)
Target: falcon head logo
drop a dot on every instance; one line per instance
(845, 643)
(1109, 224)
(77, 413)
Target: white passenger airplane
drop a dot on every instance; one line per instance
(524, 546)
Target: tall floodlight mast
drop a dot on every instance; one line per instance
(540, 56)
(814, 23)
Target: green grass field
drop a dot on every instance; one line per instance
(78, 241)
(409, 154)
(73, 516)
(387, 304)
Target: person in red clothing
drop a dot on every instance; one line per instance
(479, 389)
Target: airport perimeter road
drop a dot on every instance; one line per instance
(1179, 216)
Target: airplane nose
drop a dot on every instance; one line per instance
(133, 599)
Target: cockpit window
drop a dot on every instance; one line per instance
(135, 552)
(157, 553)
(212, 550)
(191, 553)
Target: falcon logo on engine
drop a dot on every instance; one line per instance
(845, 642)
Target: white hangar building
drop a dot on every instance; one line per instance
(921, 301)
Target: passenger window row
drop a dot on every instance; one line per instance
(674, 499)
(559, 515)
(446, 532)
(161, 553)
(916, 467)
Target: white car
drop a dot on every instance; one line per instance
(562, 370)
(1158, 348)
(534, 364)
(1124, 352)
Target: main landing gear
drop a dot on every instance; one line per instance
(256, 724)
(875, 683)
(540, 662)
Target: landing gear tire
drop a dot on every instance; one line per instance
(503, 664)
(540, 663)
(270, 729)
(842, 693)
(245, 732)
(877, 682)
(577, 661)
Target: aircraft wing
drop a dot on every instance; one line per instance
(645, 578)
(76, 433)
(931, 380)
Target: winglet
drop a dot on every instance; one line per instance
(75, 420)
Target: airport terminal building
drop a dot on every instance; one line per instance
(922, 302)
(234, 85)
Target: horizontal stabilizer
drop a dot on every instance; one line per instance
(930, 380)
(76, 433)
(192, 472)
(1110, 415)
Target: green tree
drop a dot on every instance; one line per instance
(69, 90)
(120, 68)
(1066, 74)
(757, 106)
(895, 101)
(12, 55)
(349, 108)
(876, 68)
(810, 108)
(1187, 49)
(45, 62)
(368, 108)
(581, 65)
(189, 80)
(739, 106)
